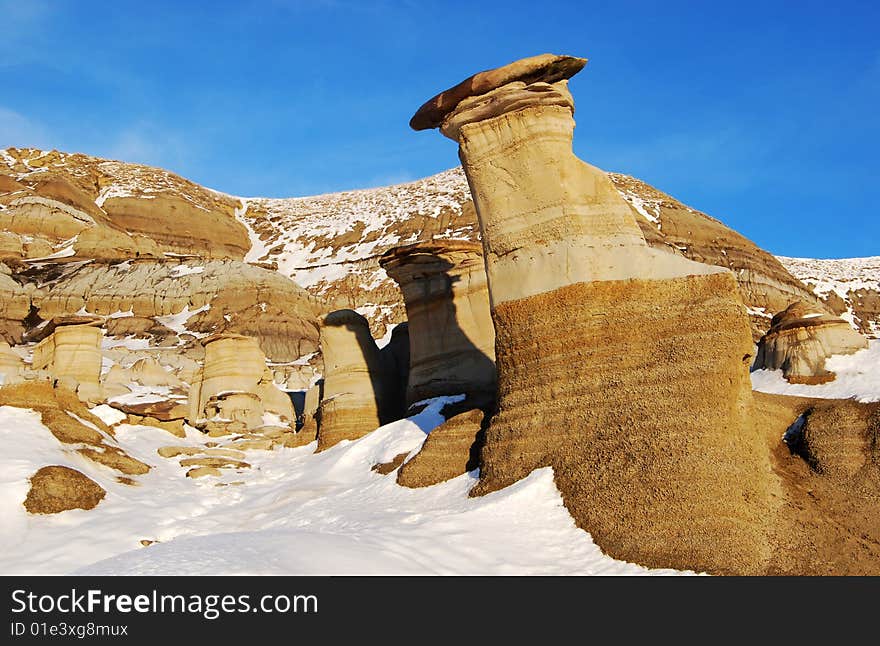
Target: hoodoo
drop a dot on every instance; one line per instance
(72, 354)
(452, 342)
(358, 384)
(623, 367)
(234, 389)
(799, 340)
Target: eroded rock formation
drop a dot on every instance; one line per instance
(801, 338)
(358, 385)
(452, 342)
(451, 449)
(58, 488)
(622, 366)
(72, 355)
(234, 390)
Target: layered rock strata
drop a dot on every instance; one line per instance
(234, 390)
(452, 342)
(801, 338)
(358, 385)
(72, 355)
(623, 367)
(450, 450)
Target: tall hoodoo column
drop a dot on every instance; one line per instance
(623, 367)
(358, 386)
(72, 353)
(234, 389)
(452, 341)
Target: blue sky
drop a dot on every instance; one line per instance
(763, 114)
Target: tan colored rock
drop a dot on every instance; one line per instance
(590, 323)
(253, 444)
(801, 338)
(115, 458)
(312, 410)
(235, 385)
(544, 68)
(207, 296)
(179, 226)
(216, 462)
(356, 380)
(15, 305)
(294, 440)
(11, 365)
(451, 449)
(56, 488)
(175, 426)
(68, 419)
(73, 352)
(174, 451)
(165, 411)
(201, 472)
(150, 373)
(452, 341)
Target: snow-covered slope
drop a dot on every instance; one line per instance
(291, 512)
(849, 285)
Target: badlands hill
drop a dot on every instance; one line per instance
(155, 329)
(62, 210)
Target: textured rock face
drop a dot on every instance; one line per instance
(235, 386)
(766, 286)
(451, 449)
(357, 382)
(592, 324)
(197, 297)
(452, 341)
(119, 210)
(56, 488)
(73, 353)
(11, 364)
(544, 68)
(801, 338)
(178, 226)
(312, 411)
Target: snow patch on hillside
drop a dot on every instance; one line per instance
(840, 276)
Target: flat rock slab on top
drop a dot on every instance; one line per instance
(547, 68)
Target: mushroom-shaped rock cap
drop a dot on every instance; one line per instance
(548, 68)
(801, 314)
(406, 253)
(345, 317)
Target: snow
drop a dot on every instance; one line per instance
(843, 276)
(128, 342)
(839, 276)
(109, 415)
(648, 209)
(295, 512)
(305, 228)
(66, 251)
(185, 270)
(385, 340)
(141, 394)
(177, 322)
(858, 377)
(258, 250)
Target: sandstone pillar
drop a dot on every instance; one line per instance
(72, 354)
(357, 381)
(623, 367)
(234, 388)
(452, 341)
